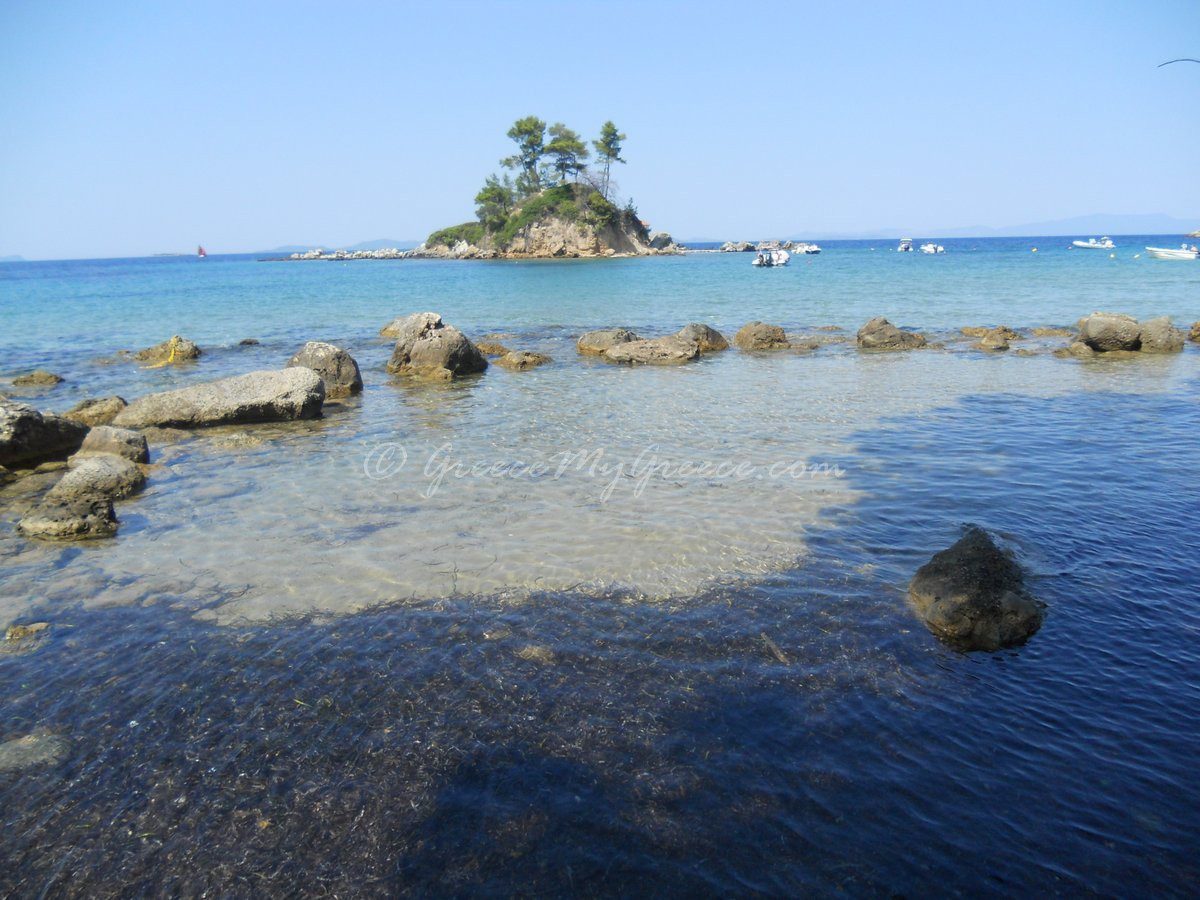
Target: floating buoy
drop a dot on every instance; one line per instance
(1034, 250)
(1112, 256)
(1137, 256)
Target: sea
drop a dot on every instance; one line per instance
(600, 630)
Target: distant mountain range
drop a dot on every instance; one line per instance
(12, 259)
(1092, 225)
(379, 244)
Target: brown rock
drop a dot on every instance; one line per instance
(664, 351)
(520, 360)
(100, 411)
(426, 347)
(760, 336)
(37, 378)
(491, 348)
(594, 343)
(708, 339)
(880, 334)
(173, 350)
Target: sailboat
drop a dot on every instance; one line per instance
(201, 252)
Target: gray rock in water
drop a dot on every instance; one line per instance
(28, 436)
(103, 475)
(972, 595)
(336, 367)
(760, 336)
(100, 411)
(37, 378)
(265, 396)
(39, 747)
(880, 334)
(71, 518)
(174, 349)
(664, 351)
(1160, 336)
(110, 440)
(426, 347)
(249, 342)
(708, 339)
(1105, 332)
(660, 240)
(520, 360)
(594, 343)
(1194, 334)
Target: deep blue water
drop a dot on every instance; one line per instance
(603, 743)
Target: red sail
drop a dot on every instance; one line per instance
(201, 252)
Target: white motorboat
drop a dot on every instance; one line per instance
(1184, 252)
(932, 248)
(807, 248)
(905, 245)
(1105, 243)
(770, 258)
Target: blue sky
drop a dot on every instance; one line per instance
(136, 128)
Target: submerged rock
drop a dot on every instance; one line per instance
(100, 411)
(982, 331)
(521, 360)
(336, 367)
(37, 748)
(249, 342)
(491, 348)
(760, 336)
(107, 439)
(1160, 336)
(426, 347)
(594, 343)
(995, 340)
(708, 339)
(664, 351)
(880, 334)
(103, 475)
(1053, 332)
(972, 595)
(265, 396)
(173, 350)
(72, 518)
(37, 378)
(29, 436)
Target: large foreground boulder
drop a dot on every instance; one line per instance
(972, 595)
(595, 343)
(28, 436)
(99, 411)
(107, 440)
(664, 351)
(426, 347)
(880, 334)
(71, 518)
(174, 349)
(709, 339)
(336, 367)
(104, 475)
(265, 396)
(760, 336)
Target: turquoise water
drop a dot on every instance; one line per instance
(488, 683)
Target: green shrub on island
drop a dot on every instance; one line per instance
(552, 182)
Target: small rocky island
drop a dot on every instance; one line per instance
(550, 204)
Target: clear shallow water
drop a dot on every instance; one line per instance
(574, 694)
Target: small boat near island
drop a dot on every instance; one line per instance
(770, 258)
(201, 252)
(932, 248)
(1104, 243)
(1184, 252)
